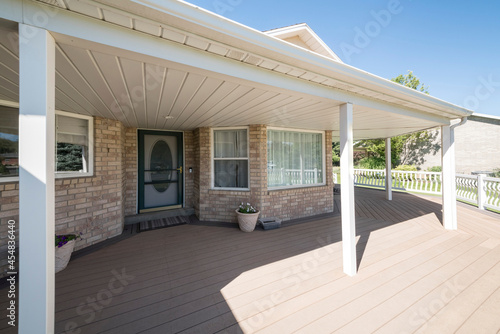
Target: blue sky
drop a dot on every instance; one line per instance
(452, 46)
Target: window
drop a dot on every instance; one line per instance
(74, 148)
(9, 138)
(294, 158)
(230, 158)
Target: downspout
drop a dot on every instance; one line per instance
(462, 122)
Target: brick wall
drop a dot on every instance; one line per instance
(219, 205)
(91, 205)
(189, 161)
(130, 145)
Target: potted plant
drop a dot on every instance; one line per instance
(247, 217)
(64, 247)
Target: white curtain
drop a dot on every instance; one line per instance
(72, 130)
(294, 158)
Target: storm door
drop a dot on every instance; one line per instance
(160, 170)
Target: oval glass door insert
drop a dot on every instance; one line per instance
(160, 165)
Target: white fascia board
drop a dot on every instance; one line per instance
(67, 25)
(486, 116)
(11, 10)
(324, 65)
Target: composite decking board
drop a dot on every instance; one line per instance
(384, 210)
(167, 315)
(212, 252)
(417, 296)
(449, 305)
(485, 319)
(328, 298)
(297, 237)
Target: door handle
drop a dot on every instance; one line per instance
(180, 169)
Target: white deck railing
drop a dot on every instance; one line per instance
(281, 176)
(467, 186)
(425, 182)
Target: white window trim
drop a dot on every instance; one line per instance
(323, 157)
(213, 159)
(65, 175)
(90, 136)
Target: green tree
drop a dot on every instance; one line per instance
(399, 144)
(411, 81)
(336, 153)
(69, 157)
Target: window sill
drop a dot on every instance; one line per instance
(10, 179)
(230, 189)
(71, 175)
(296, 187)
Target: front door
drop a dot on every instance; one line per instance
(160, 170)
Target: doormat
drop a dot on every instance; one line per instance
(155, 224)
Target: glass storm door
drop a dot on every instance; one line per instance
(160, 170)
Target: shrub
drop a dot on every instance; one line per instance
(435, 169)
(406, 168)
(496, 172)
(371, 163)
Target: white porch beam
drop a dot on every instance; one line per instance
(36, 181)
(448, 187)
(388, 170)
(347, 190)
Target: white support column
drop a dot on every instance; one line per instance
(36, 180)
(388, 170)
(448, 186)
(347, 190)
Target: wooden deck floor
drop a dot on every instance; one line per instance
(414, 277)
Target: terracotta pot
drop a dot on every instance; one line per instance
(247, 221)
(63, 254)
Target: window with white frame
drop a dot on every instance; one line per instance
(294, 158)
(74, 145)
(230, 158)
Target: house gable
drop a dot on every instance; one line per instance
(303, 36)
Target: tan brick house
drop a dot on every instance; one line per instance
(119, 109)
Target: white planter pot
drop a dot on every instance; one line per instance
(63, 254)
(247, 221)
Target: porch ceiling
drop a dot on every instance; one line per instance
(148, 92)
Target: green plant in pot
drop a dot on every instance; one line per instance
(247, 217)
(64, 243)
